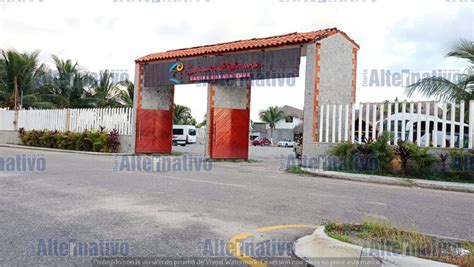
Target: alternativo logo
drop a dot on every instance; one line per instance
(175, 69)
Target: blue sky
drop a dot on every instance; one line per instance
(103, 34)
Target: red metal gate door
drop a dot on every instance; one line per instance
(231, 133)
(154, 131)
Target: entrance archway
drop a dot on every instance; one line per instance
(229, 68)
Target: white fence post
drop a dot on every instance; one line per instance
(418, 124)
(452, 128)
(347, 125)
(412, 111)
(435, 127)
(461, 125)
(389, 122)
(353, 115)
(361, 109)
(471, 123)
(381, 118)
(333, 134)
(339, 124)
(395, 123)
(374, 122)
(443, 135)
(367, 120)
(427, 125)
(328, 110)
(404, 110)
(321, 123)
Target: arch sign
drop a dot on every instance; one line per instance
(282, 63)
(228, 69)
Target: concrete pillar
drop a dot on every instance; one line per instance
(331, 66)
(154, 117)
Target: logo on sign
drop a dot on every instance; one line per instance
(176, 70)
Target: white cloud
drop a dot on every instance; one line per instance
(102, 34)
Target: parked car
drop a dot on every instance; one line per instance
(286, 143)
(261, 141)
(184, 134)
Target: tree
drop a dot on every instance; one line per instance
(182, 115)
(271, 116)
(26, 83)
(68, 89)
(105, 93)
(126, 96)
(203, 123)
(445, 90)
(19, 74)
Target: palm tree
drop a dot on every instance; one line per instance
(271, 116)
(203, 123)
(19, 74)
(68, 89)
(182, 115)
(445, 90)
(126, 96)
(105, 93)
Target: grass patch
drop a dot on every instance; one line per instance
(295, 170)
(229, 160)
(253, 161)
(340, 237)
(176, 153)
(381, 235)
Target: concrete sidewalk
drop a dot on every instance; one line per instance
(64, 150)
(438, 185)
(319, 249)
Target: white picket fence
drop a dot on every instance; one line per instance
(7, 117)
(54, 119)
(75, 120)
(428, 124)
(118, 118)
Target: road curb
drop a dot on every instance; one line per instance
(65, 151)
(376, 179)
(318, 249)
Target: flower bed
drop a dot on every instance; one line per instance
(90, 140)
(384, 237)
(406, 160)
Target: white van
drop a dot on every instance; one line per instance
(184, 134)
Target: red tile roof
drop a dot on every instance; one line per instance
(255, 43)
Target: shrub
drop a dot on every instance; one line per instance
(113, 142)
(383, 152)
(345, 151)
(443, 157)
(459, 159)
(92, 140)
(403, 153)
(361, 156)
(423, 159)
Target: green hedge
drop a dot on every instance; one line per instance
(90, 140)
(405, 159)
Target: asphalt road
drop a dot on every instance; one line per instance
(175, 214)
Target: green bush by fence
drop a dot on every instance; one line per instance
(90, 140)
(405, 159)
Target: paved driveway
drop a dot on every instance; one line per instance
(174, 214)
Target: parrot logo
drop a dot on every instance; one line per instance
(175, 69)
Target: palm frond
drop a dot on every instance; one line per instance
(463, 49)
(441, 89)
